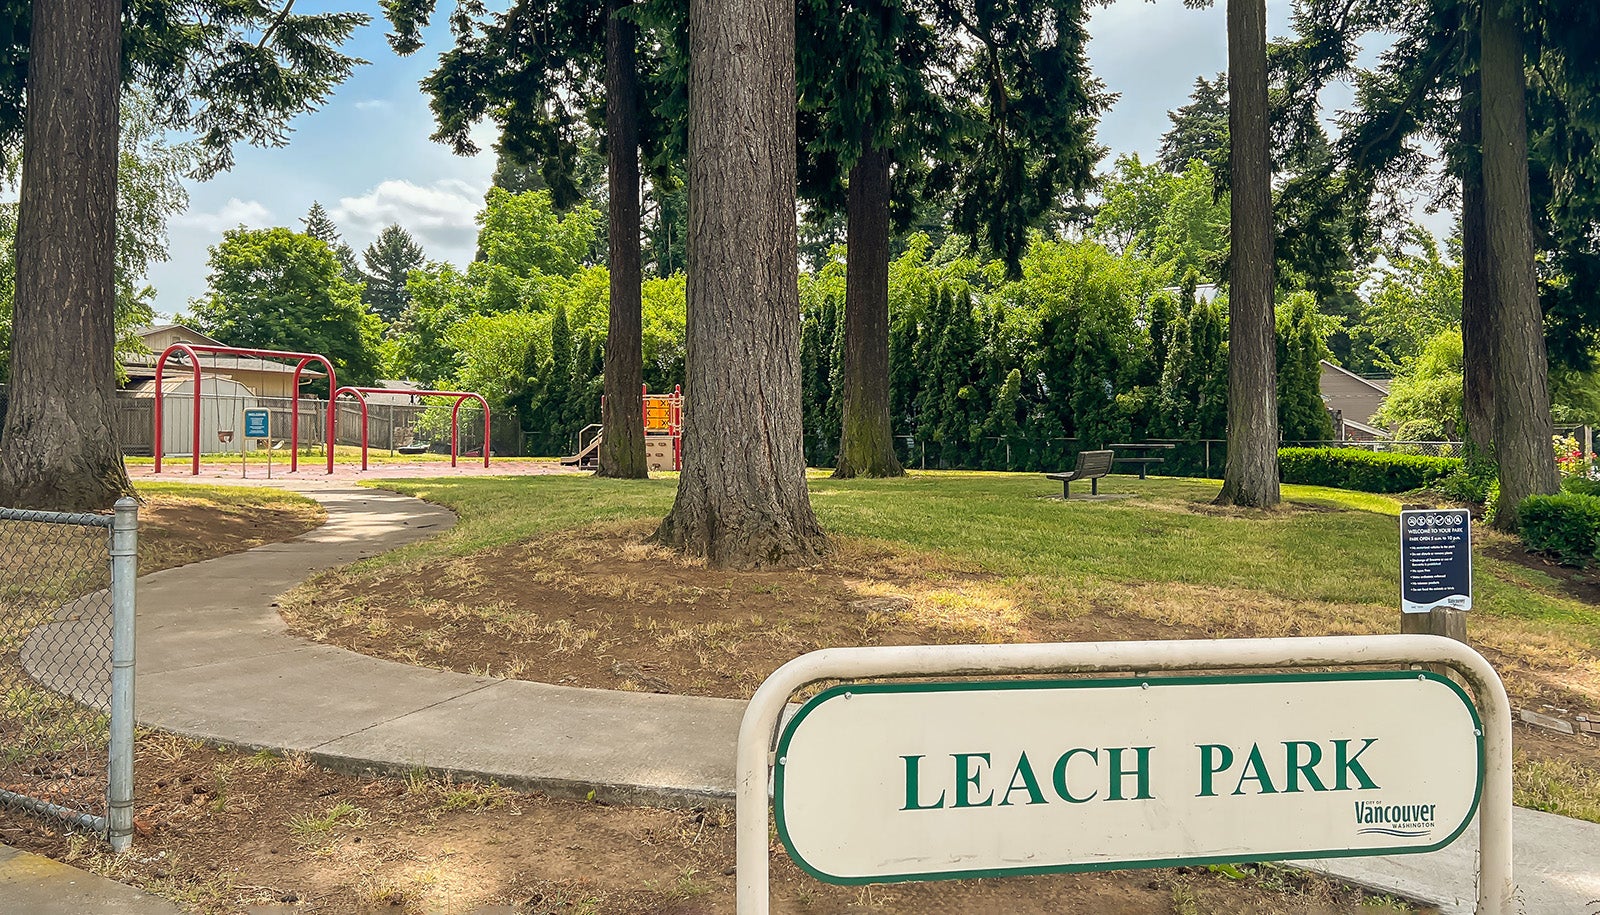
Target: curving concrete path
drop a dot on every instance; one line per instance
(217, 662)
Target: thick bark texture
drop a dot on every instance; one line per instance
(1477, 291)
(742, 500)
(866, 443)
(1522, 432)
(622, 412)
(1251, 477)
(59, 448)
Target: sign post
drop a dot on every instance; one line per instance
(888, 782)
(258, 426)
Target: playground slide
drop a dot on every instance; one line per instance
(589, 454)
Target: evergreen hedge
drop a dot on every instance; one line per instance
(1565, 526)
(1366, 471)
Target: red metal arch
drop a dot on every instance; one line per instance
(194, 349)
(455, 415)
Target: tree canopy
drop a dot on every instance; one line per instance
(280, 289)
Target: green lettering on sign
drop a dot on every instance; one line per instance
(1061, 775)
(967, 778)
(1029, 783)
(1141, 770)
(913, 767)
(1255, 770)
(1215, 758)
(1348, 765)
(1306, 770)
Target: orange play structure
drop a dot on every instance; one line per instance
(663, 434)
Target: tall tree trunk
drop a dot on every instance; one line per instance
(59, 447)
(1251, 477)
(622, 412)
(1477, 291)
(742, 500)
(866, 442)
(1522, 432)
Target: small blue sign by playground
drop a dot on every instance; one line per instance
(256, 424)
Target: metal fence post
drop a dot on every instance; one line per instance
(124, 570)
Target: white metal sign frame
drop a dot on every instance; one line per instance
(759, 731)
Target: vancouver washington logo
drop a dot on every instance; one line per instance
(1405, 820)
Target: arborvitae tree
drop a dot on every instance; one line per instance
(558, 398)
(954, 365)
(1302, 416)
(905, 379)
(390, 259)
(925, 406)
(1004, 422)
(1208, 335)
(1162, 312)
(1178, 396)
(525, 396)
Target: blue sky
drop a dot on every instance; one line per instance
(367, 157)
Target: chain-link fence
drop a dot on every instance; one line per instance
(66, 666)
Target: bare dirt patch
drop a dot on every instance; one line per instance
(177, 530)
(231, 832)
(597, 607)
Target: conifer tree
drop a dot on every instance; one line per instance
(1302, 416)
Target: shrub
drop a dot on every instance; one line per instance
(1367, 471)
(1465, 485)
(1583, 486)
(1566, 526)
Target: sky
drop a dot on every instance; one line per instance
(366, 156)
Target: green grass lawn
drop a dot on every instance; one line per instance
(1330, 545)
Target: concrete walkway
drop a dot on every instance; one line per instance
(36, 885)
(217, 662)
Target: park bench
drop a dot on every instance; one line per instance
(1092, 465)
(1143, 458)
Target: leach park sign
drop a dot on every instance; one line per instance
(881, 782)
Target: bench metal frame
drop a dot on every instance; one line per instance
(1077, 474)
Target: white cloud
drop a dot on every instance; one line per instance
(440, 215)
(234, 213)
(373, 104)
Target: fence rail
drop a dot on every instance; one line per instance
(67, 665)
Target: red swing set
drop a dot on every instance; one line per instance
(461, 397)
(193, 351)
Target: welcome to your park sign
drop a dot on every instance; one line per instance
(912, 769)
(889, 781)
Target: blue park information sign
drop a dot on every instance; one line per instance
(256, 424)
(1435, 559)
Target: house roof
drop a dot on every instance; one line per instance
(1381, 385)
(142, 365)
